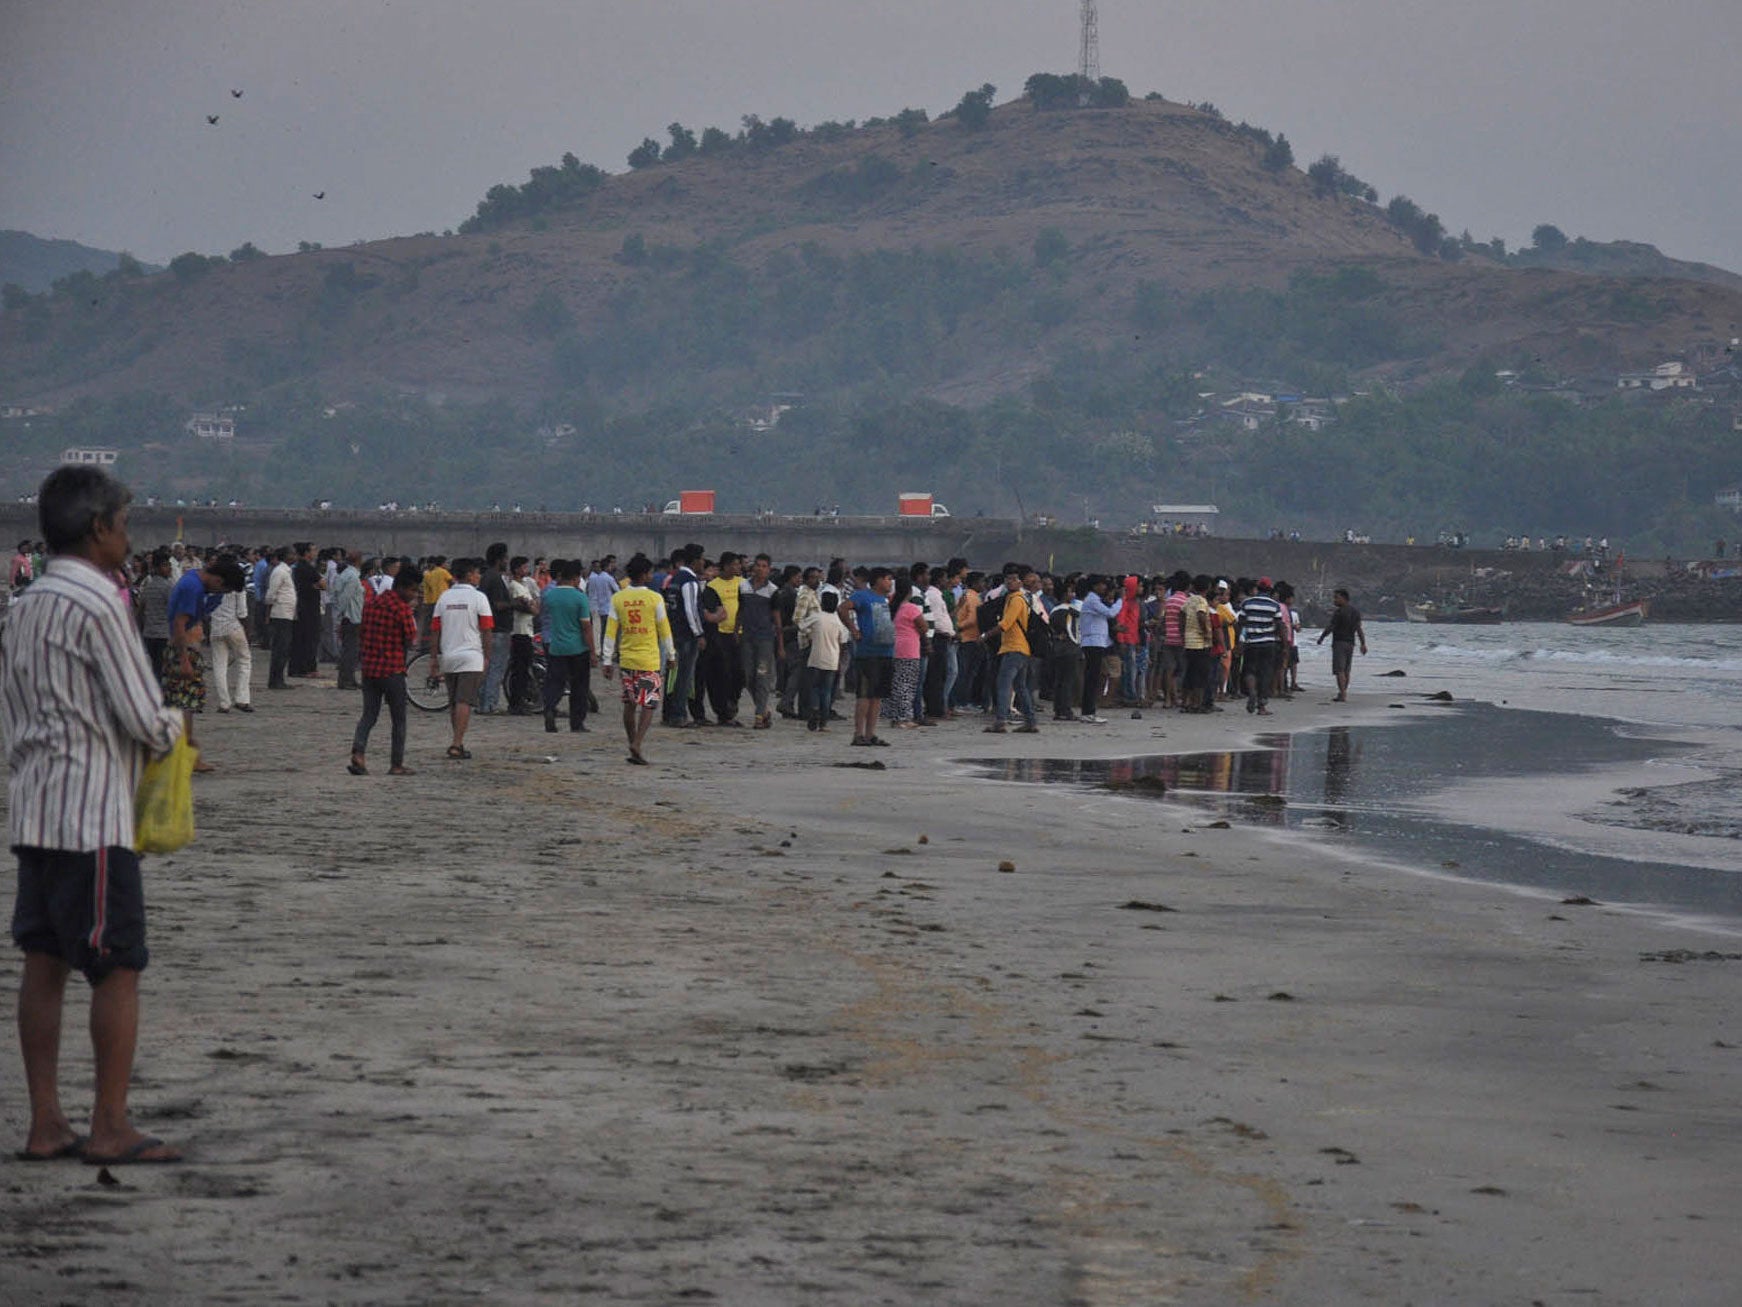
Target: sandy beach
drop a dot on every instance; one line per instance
(753, 1027)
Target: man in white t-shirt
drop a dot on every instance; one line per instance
(457, 627)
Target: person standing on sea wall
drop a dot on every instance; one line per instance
(1345, 630)
(81, 712)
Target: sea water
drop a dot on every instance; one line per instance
(1584, 763)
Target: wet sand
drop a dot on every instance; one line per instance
(750, 1028)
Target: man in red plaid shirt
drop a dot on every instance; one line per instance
(389, 626)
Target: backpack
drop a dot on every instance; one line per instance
(1039, 632)
(987, 617)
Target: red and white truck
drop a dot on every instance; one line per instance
(917, 504)
(690, 502)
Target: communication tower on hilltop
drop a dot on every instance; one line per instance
(1089, 57)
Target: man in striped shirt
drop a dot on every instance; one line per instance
(1260, 626)
(81, 712)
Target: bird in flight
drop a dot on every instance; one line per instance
(320, 195)
(235, 94)
(212, 118)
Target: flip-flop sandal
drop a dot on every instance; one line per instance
(356, 769)
(459, 754)
(66, 1152)
(636, 759)
(134, 1156)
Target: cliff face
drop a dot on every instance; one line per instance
(1155, 200)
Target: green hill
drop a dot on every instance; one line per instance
(33, 263)
(1049, 310)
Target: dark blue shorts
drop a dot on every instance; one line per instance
(87, 909)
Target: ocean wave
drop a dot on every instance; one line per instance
(1591, 657)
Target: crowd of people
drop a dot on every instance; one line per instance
(729, 641)
(103, 667)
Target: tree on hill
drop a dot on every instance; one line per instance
(545, 187)
(683, 143)
(1074, 91)
(188, 266)
(1278, 155)
(646, 154)
(1424, 229)
(1548, 238)
(975, 107)
(714, 141)
(909, 121)
(1329, 178)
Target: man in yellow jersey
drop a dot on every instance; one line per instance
(436, 580)
(638, 639)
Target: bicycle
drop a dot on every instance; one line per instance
(430, 693)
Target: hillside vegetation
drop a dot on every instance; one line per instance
(1019, 307)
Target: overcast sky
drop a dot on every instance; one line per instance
(1610, 119)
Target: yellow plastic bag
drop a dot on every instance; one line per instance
(163, 810)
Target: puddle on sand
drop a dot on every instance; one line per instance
(1255, 781)
(1368, 786)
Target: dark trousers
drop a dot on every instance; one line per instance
(1256, 667)
(154, 647)
(683, 684)
(281, 630)
(375, 689)
(792, 670)
(305, 643)
(933, 674)
(570, 671)
(520, 672)
(1092, 656)
(720, 672)
(970, 672)
(1201, 669)
(1067, 680)
(350, 634)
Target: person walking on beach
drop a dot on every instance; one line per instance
(825, 637)
(1260, 627)
(868, 620)
(81, 712)
(569, 648)
(638, 640)
(761, 645)
(1345, 630)
(191, 603)
(683, 613)
(1013, 657)
(232, 655)
(494, 587)
(347, 607)
(523, 603)
(305, 643)
(459, 632)
(280, 604)
(388, 628)
(153, 609)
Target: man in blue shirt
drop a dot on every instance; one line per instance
(873, 629)
(262, 571)
(191, 602)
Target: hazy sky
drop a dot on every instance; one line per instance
(1609, 119)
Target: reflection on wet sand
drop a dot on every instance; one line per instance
(1377, 787)
(1203, 778)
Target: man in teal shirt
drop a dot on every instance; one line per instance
(569, 652)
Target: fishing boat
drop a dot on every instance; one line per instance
(1454, 614)
(1629, 612)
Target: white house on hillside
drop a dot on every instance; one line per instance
(1665, 376)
